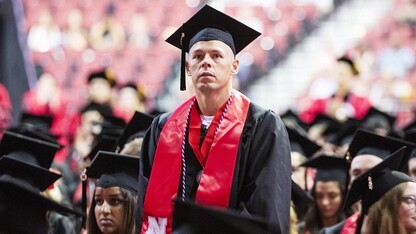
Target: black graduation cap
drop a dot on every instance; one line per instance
(301, 199)
(410, 126)
(34, 133)
(351, 63)
(112, 125)
(376, 118)
(16, 192)
(105, 74)
(366, 142)
(28, 149)
(38, 122)
(39, 177)
(410, 136)
(370, 186)
(210, 24)
(329, 168)
(101, 108)
(409, 132)
(291, 119)
(112, 169)
(346, 132)
(190, 218)
(329, 125)
(138, 124)
(103, 143)
(301, 144)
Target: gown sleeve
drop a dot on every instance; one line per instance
(266, 188)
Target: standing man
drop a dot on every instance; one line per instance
(218, 148)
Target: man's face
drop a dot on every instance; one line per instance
(362, 163)
(211, 64)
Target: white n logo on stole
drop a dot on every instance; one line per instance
(157, 227)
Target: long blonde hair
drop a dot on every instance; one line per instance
(293, 228)
(384, 215)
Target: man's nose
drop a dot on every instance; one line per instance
(206, 62)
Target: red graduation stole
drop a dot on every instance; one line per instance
(215, 185)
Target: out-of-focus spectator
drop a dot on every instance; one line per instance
(75, 36)
(138, 32)
(108, 33)
(130, 98)
(397, 59)
(406, 13)
(100, 85)
(45, 98)
(346, 100)
(45, 34)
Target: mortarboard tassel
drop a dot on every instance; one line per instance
(370, 183)
(183, 81)
(84, 198)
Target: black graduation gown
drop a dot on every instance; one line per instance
(262, 179)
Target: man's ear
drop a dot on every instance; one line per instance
(187, 68)
(235, 67)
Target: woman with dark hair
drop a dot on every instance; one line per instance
(115, 196)
(112, 211)
(328, 192)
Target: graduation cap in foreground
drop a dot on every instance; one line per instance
(366, 142)
(38, 177)
(189, 218)
(23, 209)
(49, 137)
(28, 149)
(373, 184)
(136, 127)
(210, 24)
(301, 144)
(329, 168)
(112, 169)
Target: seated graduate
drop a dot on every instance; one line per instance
(366, 150)
(388, 198)
(328, 192)
(115, 195)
